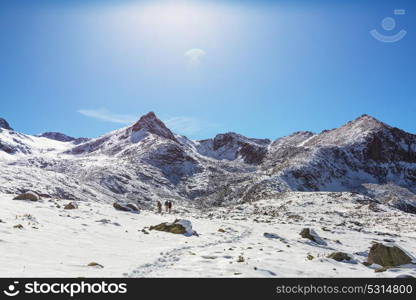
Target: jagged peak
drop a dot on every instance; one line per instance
(151, 123)
(57, 136)
(230, 134)
(4, 124)
(233, 136)
(367, 121)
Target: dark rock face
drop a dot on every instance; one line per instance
(116, 142)
(173, 161)
(362, 151)
(4, 124)
(149, 159)
(152, 124)
(7, 148)
(132, 207)
(339, 256)
(231, 145)
(310, 234)
(71, 205)
(57, 136)
(27, 196)
(171, 228)
(128, 207)
(387, 256)
(179, 226)
(221, 140)
(120, 207)
(252, 154)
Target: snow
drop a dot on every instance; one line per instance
(187, 225)
(58, 243)
(260, 219)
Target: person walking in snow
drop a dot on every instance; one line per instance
(159, 207)
(170, 206)
(167, 205)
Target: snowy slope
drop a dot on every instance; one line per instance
(146, 161)
(353, 185)
(55, 242)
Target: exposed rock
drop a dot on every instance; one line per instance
(132, 207)
(147, 160)
(128, 207)
(71, 205)
(231, 145)
(388, 256)
(4, 124)
(120, 207)
(339, 256)
(32, 196)
(18, 226)
(240, 259)
(95, 264)
(152, 124)
(274, 236)
(310, 234)
(57, 136)
(382, 269)
(179, 226)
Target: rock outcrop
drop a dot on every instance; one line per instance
(179, 226)
(388, 255)
(32, 196)
(310, 234)
(4, 124)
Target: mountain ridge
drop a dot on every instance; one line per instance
(147, 161)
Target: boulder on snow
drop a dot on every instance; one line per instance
(129, 207)
(95, 264)
(32, 196)
(310, 234)
(179, 226)
(274, 236)
(388, 256)
(71, 205)
(339, 256)
(132, 207)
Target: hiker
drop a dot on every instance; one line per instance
(167, 205)
(159, 207)
(170, 206)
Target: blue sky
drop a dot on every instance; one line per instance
(259, 68)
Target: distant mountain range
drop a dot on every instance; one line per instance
(147, 161)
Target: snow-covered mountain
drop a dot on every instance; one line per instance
(147, 161)
(58, 136)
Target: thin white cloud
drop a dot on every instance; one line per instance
(187, 126)
(195, 55)
(105, 115)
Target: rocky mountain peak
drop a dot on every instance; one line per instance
(150, 123)
(61, 137)
(57, 136)
(365, 122)
(4, 124)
